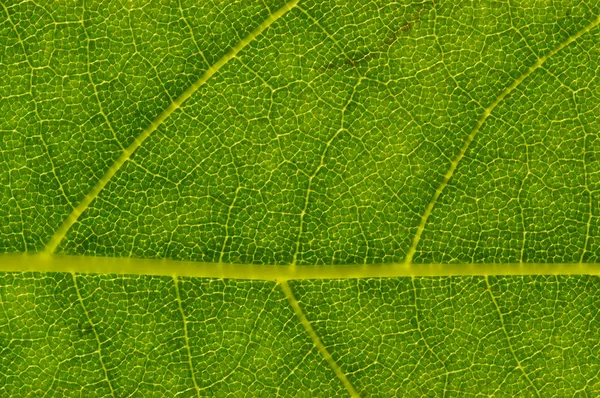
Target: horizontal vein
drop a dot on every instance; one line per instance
(486, 113)
(60, 233)
(136, 266)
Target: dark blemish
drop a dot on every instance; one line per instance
(407, 27)
(353, 60)
(357, 57)
(390, 38)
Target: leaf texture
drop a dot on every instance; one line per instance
(254, 168)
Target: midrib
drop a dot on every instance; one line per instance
(138, 266)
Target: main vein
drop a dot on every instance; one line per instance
(23, 262)
(61, 232)
(486, 113)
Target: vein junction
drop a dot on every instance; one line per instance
(484, 116)
(49, 262)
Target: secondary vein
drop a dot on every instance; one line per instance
(486, 113)
(61, 232)
(186, 335)
(316, 339)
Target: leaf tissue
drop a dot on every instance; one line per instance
(301, 198)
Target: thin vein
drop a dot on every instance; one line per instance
(227, 234)
(61, 232)
(37, 113)
(93, 326)
(429, 348)
(316, 340)
(484, 116)
(520, 201)
(586, 177)
(89, 74)
(329, 142)
(311, 178)
(510, 347)
(191, 30)
(186, 335)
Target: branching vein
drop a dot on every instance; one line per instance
(186, 335)
(510, 347)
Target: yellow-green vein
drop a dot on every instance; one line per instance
(486, 113)
(316, 340)
(510, 347)
(61, 232)
(185, 334)
(23, 262)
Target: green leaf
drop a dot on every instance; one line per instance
(302, 198)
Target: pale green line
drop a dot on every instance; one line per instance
(61, 232)
(185, 334)
(136, 266)
(316, 340)
(486, 113)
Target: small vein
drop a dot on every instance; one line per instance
(427, 345)
(484, 116)
(227, 233)
(520, 201)
(53, 168)
(61, 232)
(185, 334)
(93, 326)
(329, 142)
(94, 86)
(510, 347)
(586, 178)
(189, 26)
(315, 339)
(311, 178)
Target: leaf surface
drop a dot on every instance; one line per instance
(299, 198)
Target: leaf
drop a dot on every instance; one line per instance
(299, 199)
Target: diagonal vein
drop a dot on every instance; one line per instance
(61, 232)
(484, 116)
(316, 340)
